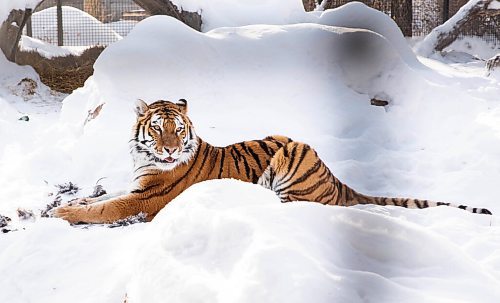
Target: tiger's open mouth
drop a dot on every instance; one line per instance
(169, 160)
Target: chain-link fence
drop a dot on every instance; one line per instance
(420, 17)
(101, 22)
(83, 22)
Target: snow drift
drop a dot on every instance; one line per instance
(229, 241)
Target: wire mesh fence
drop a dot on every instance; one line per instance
(101, 22)
(84, 22)
(420, 17)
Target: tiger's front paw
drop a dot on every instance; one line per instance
(70, 213)
(81, 201)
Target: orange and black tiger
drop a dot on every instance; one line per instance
(169, 157)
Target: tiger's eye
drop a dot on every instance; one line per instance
(156, 127)
(179, 129)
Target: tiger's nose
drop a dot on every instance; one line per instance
(170, 150)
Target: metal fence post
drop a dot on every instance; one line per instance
(29, 26)
(446, 10)
(59, 23)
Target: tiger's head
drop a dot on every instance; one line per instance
(163, 135)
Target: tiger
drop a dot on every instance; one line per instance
(169, 157)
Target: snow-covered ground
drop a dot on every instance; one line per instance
(227, 241)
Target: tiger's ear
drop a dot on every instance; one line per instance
(140, 107)
(183, 104)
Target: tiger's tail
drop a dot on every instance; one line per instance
(357, 198)
(296, 173)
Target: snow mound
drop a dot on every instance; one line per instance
(80, 28)
(229, 241)
(247, 65)
(223, 13)
(359, 15)
(45, 263)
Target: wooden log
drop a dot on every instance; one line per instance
(11, 31)
(165, 7)
(447, 37)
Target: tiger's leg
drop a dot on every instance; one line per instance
(89, 200)
(109, 211)
(296, 173)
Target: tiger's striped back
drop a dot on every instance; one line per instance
(296, 173)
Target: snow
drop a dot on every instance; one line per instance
(80, 28)
(122, 27)
(475, 46)
(7, 6)
(227, 241)
(495, 4)
(358, 15)
(48, 50)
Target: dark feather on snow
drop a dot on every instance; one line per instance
(25, 214)
(57, 202)
(4, 221)
(139, 218)
(67, 188)
(98, 191)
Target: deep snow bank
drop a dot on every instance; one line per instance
(229, 241)
(223, 13)
(358, 15)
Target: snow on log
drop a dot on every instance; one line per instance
(166, 7)
(443, 35)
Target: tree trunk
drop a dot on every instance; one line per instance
(310, 5)
(165, 7)
(94, 8)
(11, 31)
(447, 37)
(493, 64)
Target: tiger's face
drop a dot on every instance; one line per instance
(163, 135)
